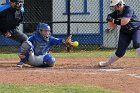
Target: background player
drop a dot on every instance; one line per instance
(34, 51)
(11, 15)
(125, 17)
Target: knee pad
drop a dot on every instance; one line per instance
(24, 47)
(48, 60)
(26, 53)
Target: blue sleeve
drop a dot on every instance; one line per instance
(55, 41)
(128, 12)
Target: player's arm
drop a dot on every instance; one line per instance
(111, 25)
(57, 41)
(127, 16)
(121, 21)
(124, 20)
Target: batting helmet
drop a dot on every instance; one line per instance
(43, 26)
(115, 2)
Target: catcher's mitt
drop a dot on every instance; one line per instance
(68, 41)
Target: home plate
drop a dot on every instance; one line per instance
(110, 70)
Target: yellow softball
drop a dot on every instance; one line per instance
(75, 43)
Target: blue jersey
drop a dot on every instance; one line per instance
(128, 12)
(41, 44)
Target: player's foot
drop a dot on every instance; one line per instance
(103, 64)
(20, 64)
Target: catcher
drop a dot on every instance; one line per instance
(125, 17)
(34, 51)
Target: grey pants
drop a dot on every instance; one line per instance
(19, 36)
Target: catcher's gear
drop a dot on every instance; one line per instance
(68, 40)
(25, 47)
(43, 26)
(18, 5)
(15, 0)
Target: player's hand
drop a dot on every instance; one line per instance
(109, 18)
(7, 34)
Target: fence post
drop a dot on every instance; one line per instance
(68, 23)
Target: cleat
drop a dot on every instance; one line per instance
(20, 64)
(103, 64)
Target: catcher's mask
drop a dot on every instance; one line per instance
(43, 27)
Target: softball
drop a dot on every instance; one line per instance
(75, 43)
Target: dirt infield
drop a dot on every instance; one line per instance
(124, 75)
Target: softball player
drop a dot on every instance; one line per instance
(124, 16)
(11, 15)
(34, 51)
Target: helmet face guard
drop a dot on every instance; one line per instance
(18, 4)
(44, 29)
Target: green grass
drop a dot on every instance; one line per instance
(93, 53)
(8, 56)
(53, 89)
(5, 88)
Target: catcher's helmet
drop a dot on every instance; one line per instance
(43, 26)
(115, 2)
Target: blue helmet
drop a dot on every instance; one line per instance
(43, 26)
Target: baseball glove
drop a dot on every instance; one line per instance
(68, 41)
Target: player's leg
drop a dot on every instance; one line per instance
(123, 43)
(41, 60)
(48, 61)
(19, 36)
(136, 41)
(23, 53)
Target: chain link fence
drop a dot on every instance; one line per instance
(87, 22)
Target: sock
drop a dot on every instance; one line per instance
(138, 52)
(113, 58)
